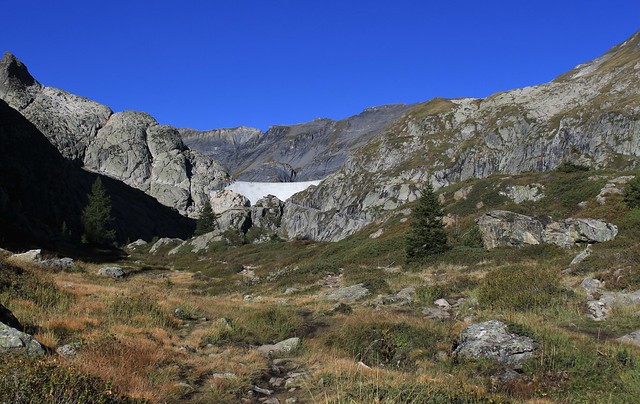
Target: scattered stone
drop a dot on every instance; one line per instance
(15, 341)
(138, 243)
(224, 375)
(252, 298)
(436, 313)
(290, 291)
(582, 256)
(363, 365)
(347, 293)
(443, 303)
(68, 350)
(59, 264)
(598, 310)
(491, 340)
(592, 286)
(291, 400)
(281, 348)
(462, 193)
(111, 272)
(271, 400)
(405, 296)
(479, 205)
(276, 382)
(29, 256)
(377, 233)
(631, 338)
(260, 390)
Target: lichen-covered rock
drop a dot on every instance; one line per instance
(568, 232)
(521, 193)
(504, 228)
(111, 272)
(17, 342)
(58, 264)
(347, 293)
(492, 340)
(281, 348)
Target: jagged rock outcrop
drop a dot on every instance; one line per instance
(225, 199)
(33, 174)
(504, 228)
(267, 212)
(129, 146)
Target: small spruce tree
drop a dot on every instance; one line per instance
(206, 222)
(632, 193)
(96, 216)
(426, 235)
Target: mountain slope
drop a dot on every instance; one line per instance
(303, 152)
(589, 116)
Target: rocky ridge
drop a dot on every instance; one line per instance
(128, 146)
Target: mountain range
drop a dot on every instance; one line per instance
(370, 164)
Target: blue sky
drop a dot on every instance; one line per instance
(213, 64)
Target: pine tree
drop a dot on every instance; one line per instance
(96, 216)
(426, 236)
(206, 222)
(632, 193)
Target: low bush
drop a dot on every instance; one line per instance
(29, 380)
(522, 288)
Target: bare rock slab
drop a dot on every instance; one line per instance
(347, 293)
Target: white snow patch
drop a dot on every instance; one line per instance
(256, 190)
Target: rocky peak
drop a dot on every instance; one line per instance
(17, 86)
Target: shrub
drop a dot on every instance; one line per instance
(568, 167)
(632, 193)
(30, 380)
(521, 289)
(472, 238)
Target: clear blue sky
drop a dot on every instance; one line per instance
(212, 64)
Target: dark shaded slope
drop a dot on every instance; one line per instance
(39, 190)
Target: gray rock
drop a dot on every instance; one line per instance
(16, 342)
(225, 199)
(29, 256)
(522, 193)
(504, 228)
(236, 219)
(582, 256)
(111, 272)
(68, 350)
(631, 338)
(436, 313)
(59, 264)
(492, 340)
(138, 243)
(202, 242)
(163, 242)
(267, 212)
(347, 293)
(281, 348)
(443, 303)
(569, 232)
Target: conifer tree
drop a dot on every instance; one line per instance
(96, 216)
(426, 235)
(206, 222)
(632, 193)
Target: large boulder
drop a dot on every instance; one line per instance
(504, 228)
(29, 256)
(492, 340)
(281, 348)
(16, 342)
(238, 219)
(568, 232)
(347, 293)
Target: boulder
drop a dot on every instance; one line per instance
(492, 340)
(521, 193)
(631, 338)
(569, 232)
(281, 348)
(138, 243)
(201, 242)
(163, 242)
(111, 272)
(237, 219)
(582, 256)
(224, 199)
(18, 342)
(504, 228)
(347, 293)
(29, 256)
(59, 264)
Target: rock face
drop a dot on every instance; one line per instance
(225, 199)
(589, 116)
(33, 174)
(267, 213)
(308, 151)
(504, 228)
(492, 340)
(129, 146)
(16, 342)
